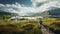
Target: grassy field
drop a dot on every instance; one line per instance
(19, 27)
(27, 26)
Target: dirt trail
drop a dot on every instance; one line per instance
(45, 31)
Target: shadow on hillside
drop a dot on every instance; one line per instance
(55, 31)
(9, 29)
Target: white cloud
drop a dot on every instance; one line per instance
(35, 2)
(1, 5)
(50, 4)
(47, 5)
(38, 1)
(22, 10)
(17, 8)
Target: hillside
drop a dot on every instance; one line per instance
(4, 14)
(49, 13)
(54, 12)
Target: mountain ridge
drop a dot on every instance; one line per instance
(49, 13)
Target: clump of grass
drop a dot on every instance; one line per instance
(52, 23)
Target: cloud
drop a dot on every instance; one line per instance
(46, 4)
(22, 10)
(13, 8)
(50, 4)
(17, 8)
(36, 2)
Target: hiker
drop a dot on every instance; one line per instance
(40, 23)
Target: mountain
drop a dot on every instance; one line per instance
(49, 13)
(54, 12)
(4, 14)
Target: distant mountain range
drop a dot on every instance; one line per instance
(50, 13)
(6, 13)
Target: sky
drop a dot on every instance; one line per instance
(25, 7)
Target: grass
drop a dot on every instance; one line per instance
(52, 23)
(19, 27)
(28, 26)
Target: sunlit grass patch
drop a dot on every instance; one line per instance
(21, 27)
(52, 23)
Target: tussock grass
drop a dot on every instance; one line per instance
(19, 27)
(52, 23)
